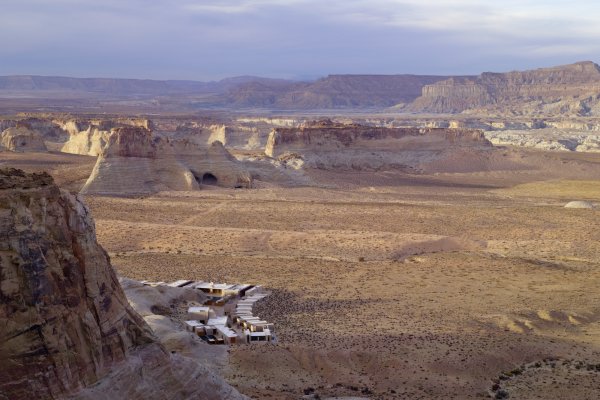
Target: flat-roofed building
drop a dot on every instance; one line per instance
(200, 313)
(222, 289)
(253, 337)
(229, 335)
(258, 326)
(192, 325)
(180, 283)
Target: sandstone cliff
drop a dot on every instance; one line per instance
(88, 137)
(66, 327)
(330, 145)
(22, 138)
(65, 320)
(89, 142)
(564, 90)
(135, 161)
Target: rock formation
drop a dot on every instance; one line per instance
(569, 89)
(546, 139)
(328, 145)
(88, 137)
(65, 321)
(135, 161)
(89, 142)
(22, 138)
(580, 204)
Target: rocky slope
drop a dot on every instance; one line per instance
(327, 145)
(135, 161)
(65, 321)
(563, 90)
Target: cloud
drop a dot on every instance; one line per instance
(205, 39)
(238, 7)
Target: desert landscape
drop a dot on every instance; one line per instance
(405, 257)
(296, 199)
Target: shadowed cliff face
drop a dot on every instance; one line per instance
(64, 320)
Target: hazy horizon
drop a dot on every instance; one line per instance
(292, 39)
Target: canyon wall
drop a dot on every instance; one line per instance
(66, 328)
(565, 90)
(65, 319)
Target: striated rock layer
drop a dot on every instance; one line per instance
(65, 319)
(22, 138)
(134, 161)
(328, 145)
(66, 327)
(569, 89)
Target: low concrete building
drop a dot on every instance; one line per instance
(252, 337)
(222, 320)
(180, 283)
(192, 325)
(229, 335)
(222, 289)
(201, 313)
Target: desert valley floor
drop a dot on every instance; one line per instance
(432, 287)
(384, 284)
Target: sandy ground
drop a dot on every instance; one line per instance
(391, 286)
(416, 291)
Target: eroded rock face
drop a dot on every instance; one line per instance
(66, 328)
(88, 137)
(349, 146)
(64, 320)
(547, 140)
(569, 89)
(22, 138)
(135, 161)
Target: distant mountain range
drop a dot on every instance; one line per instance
(570, 89)
(335, 91)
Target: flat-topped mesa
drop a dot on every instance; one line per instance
(326, 145)
(326, 135)
(135, 161)
(65, 318)
(545, 86)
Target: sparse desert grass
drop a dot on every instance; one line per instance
(387, 285)
(562, 189)
(438, 323)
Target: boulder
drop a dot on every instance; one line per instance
(580, 204)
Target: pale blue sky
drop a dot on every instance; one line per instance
(211, 39)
